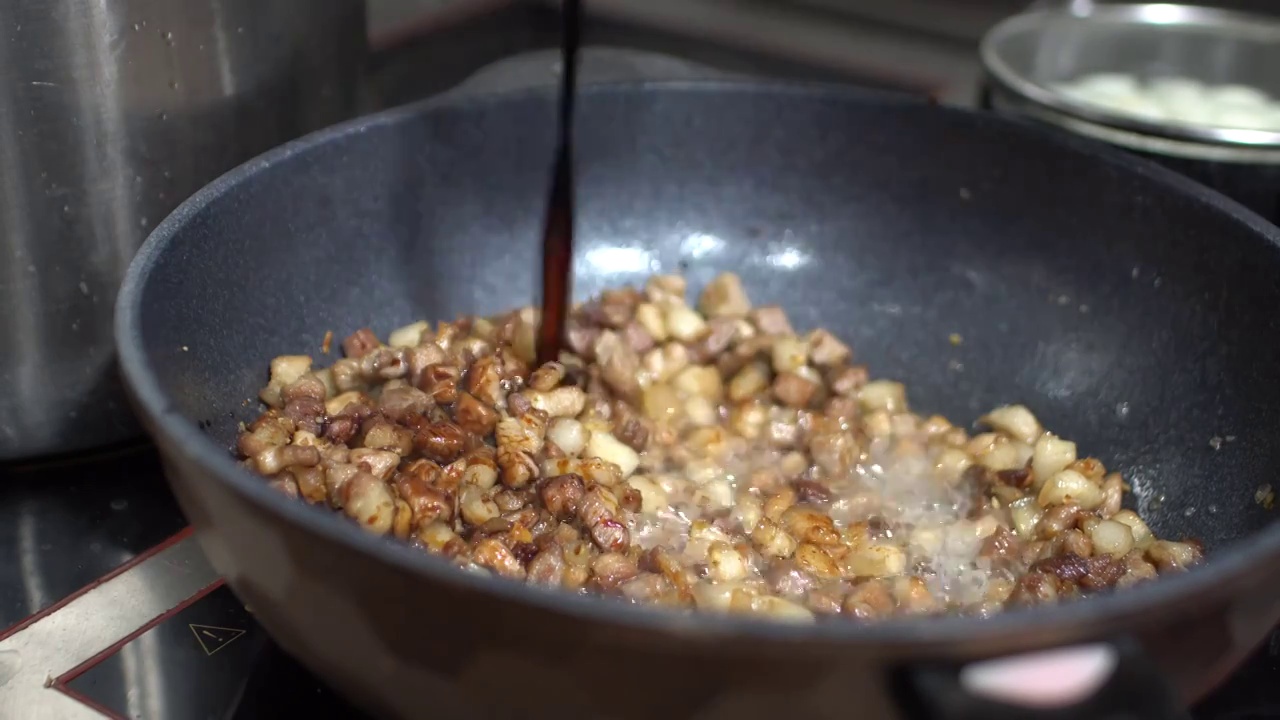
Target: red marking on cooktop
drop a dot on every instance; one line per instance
(60, 684)
(92, 704)
(178, 537)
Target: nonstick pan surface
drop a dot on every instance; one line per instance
(1132, 310)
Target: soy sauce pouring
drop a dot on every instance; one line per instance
(557, 238)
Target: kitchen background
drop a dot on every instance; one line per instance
(926, 45)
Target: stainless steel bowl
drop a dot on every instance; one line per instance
(1028, 54)
(111, 113)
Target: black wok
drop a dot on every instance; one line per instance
(1132, 310)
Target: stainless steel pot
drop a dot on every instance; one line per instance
(1027, 56)
(112, 113)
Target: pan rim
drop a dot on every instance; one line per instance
(1093, 618)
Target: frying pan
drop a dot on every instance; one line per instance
(1131, 309)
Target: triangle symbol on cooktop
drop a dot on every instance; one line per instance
(213, 638)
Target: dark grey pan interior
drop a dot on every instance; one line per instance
(1137, 321)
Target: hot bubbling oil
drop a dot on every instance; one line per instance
(931, 518)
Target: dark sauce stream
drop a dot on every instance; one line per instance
(557, 238)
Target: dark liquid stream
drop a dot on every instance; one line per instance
(557, 238)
